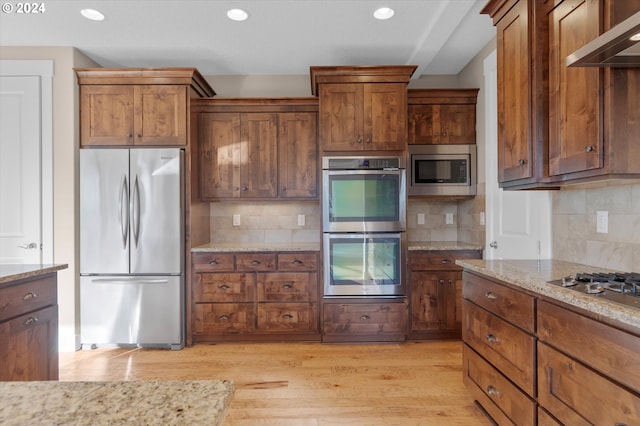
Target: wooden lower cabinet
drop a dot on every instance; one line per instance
(435, 283)
(255, 296)
(29, 329)
(370, 321)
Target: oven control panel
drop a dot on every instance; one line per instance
(363, 163)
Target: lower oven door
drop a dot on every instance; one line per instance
(363, 264)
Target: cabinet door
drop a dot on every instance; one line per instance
(421, 125)
(29, 349)
(434, 301)
(297, 155)
(106, 115)
(160, 115)
(258, 155)
(514, 98)
(220, 155)
(385, 116)
(340, 114)
(457, 124)
(575, 123)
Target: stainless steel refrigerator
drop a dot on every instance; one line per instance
(132, 247)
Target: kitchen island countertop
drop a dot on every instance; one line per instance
(254, 246)
(15, 272)
(533, 275)
(441, 245)
(112, 403)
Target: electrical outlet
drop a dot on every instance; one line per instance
(449, 218)
(482, 219)
(602, 222)
(301, 220)
(236, 220)
(420, 218)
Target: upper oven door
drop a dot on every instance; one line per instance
(364, 200)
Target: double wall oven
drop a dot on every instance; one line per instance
(364, 224)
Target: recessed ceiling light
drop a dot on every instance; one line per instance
(92, 14)
(237, 14)
(383, 13)
(635, 37)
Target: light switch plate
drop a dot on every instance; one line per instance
(301, 220)
(602, 222)
(482, 219)
(236, 220)
(420, 218)
(449, 218)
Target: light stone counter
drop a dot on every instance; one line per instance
(249, 246)
(199, 402)
(15, 272)
(442, 245)
(533, 275)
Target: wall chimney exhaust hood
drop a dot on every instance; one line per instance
(614, 48)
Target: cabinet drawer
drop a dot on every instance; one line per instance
(574, 335)
(258, 262)
(288, 317)
(287, 287)
(509, 349)
(482, 377)
(297, 262)
(212, 262)
(224, 318)
(429, 260)
(26, 297)
(364, 318)
(235, 287)
(572, 392)
(546, 419)
(508, 303)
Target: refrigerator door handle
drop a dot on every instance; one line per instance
(123, 200)
(130, 280)
(136, 210)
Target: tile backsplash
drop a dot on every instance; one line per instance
(574, 221)
(435, 227)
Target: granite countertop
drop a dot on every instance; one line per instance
(249, 246)
(112, 403)
(14, 272)
(533, 275)
(442, 245)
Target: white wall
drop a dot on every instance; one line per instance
(65, 178)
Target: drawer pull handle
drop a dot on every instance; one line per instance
(224, 318)
(287, 316)
(29, 296)
(490, 296)
(492, 338)
(450, 282)
(214, 262)
(224, 287)
(522, 162)
(492, 391)
(255, 262)
(445, 261)
(31, 321)
(441, 281)
(365, 317)
(287, 286)
(298, 262)
(589, 148)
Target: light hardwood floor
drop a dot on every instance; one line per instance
(307, 383)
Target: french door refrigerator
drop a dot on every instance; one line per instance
(132, 247)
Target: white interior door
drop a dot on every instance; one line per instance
(518, 222)
(20, 170)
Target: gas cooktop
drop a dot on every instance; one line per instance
(617, 287)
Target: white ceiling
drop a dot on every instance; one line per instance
(280, 36)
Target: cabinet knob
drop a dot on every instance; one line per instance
(138, 135)
(359, 140)
(129, 135)
(450, 282)
(492, 338)
(441, 281)
(368, 140)
(589, 148)
(244, 189)
(522, 162)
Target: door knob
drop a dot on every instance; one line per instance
(493, 244)
(29, 246)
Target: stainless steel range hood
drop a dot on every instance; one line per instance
(614, 48)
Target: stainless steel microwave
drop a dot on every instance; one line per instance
(444, 170)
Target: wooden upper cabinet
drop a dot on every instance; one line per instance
(593, 126)
(137, 106)
(522, 104)
(442, 116)
(258, 148)
(362, 108)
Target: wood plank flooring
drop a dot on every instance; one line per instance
(307, 383)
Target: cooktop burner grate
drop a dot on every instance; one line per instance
(619, 287)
